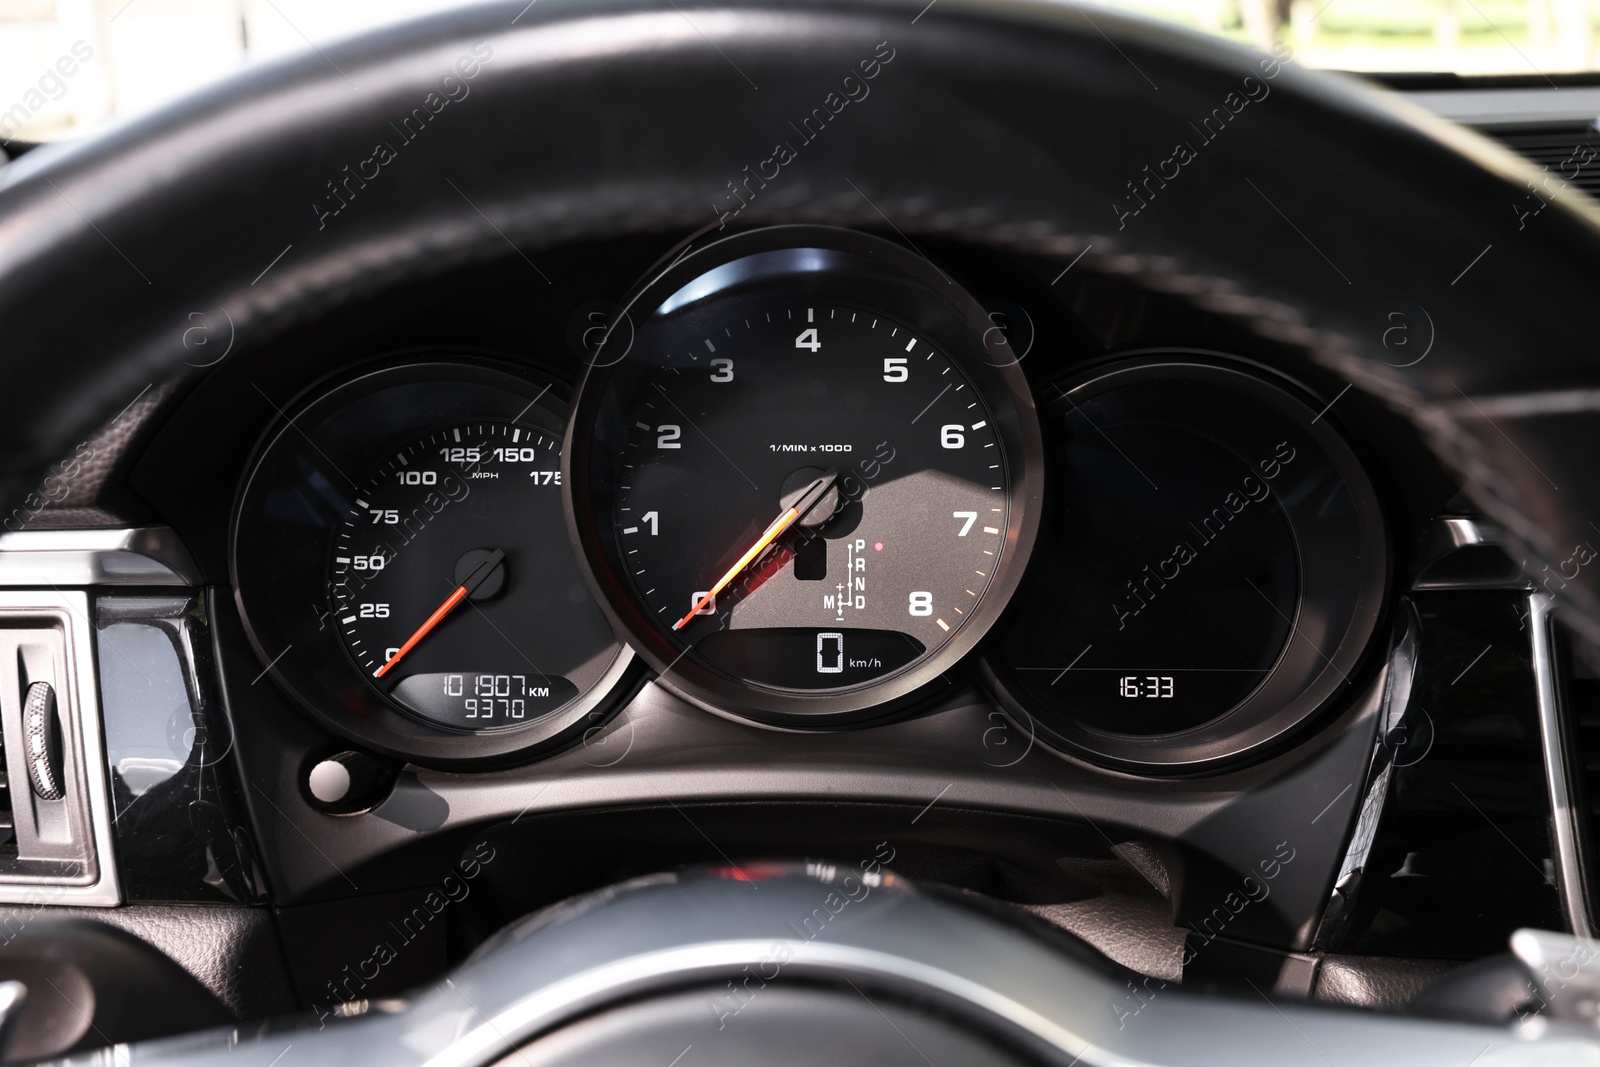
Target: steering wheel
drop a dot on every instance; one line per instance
(1174, 161)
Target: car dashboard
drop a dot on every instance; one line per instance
(1018, 568)
(1090, 684)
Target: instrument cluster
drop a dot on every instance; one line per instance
(804, 481)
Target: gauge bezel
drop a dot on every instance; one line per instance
(1272, 710)
(345, 426)
(864, 271)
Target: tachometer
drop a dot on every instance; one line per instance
(884, 561)
(809, 483)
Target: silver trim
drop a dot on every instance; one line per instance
(1511, 107)
(1460, 532)
(1374, 801)
(1450, 534)
(13, 995)
(81, 690)
(138, 555)
(1565, 972)
(1564, 817)
(487, 1042)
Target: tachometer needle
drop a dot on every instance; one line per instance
(808, 499)
(462, 591)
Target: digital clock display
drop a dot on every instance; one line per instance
(1150, 686)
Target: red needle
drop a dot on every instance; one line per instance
(479, 575)
(808, 499)
(422, 631)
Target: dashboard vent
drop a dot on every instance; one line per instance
(8, 828)
(1552, 146)
(55, 823)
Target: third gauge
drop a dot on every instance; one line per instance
(1211, 572)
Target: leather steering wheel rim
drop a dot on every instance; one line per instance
(1016, 125)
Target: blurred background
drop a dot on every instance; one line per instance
(66, 65)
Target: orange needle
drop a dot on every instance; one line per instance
(780, 524)
(422, 631)
(479, 575)
(809, 499)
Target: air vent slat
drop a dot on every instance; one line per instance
(1559, 149)
(8, 836)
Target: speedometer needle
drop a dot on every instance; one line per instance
(809, 498)
(479, 574)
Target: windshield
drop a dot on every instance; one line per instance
(68, 65)
(1532, 38)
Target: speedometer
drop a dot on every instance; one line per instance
(404, 572)
(436, 571)
(809, 482)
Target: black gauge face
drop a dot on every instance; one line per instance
(1210, 573)
(1177, 575)
(899, 548)
(404, 571)
(801, 495)
(475, 507)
